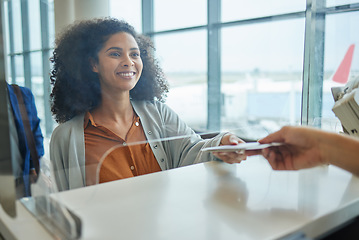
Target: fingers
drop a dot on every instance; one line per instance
(233, 140)
(230, 139)
(273, 158)
(279, 158)
(237, 139)
(230, 157)
(278, 136)
(253, 152)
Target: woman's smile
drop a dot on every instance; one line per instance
(126, 74)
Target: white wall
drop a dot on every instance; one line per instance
(68, 11)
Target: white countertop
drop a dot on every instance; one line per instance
(217, 201)
(213, 201)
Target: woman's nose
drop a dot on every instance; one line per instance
(127, 62)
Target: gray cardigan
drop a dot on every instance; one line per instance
(173, 143)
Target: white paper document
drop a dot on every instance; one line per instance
(241, 147)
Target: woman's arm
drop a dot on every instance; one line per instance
(187, 148)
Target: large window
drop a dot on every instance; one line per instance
(187, 80)
(262, 75)
(251, 66)
(29, 28)
(233, 10)
(340, 35)
(129, 11)
(170, 15)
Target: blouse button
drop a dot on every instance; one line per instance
(136, 123)
(149, 132)
(155, 147)
(162, 160)
(124, 143)
(132, 168)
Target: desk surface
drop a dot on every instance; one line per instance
(217, 201)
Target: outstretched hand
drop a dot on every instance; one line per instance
(230, 157)
(301, 149)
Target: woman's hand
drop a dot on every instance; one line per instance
(230, 157)
(301, 149)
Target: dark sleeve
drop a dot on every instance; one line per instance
(34, 120)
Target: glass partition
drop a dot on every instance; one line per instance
(26, 177)
(168, 153)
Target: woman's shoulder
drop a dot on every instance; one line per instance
(64, 129)
(156, 110)
(148, 103)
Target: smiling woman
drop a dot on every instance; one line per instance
(77, 52)
(119, 65)
(109, 91)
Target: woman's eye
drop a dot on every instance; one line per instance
(115, 54)
(135, 54)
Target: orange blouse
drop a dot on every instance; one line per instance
(121, 158)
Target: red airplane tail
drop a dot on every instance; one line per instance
(342, 73)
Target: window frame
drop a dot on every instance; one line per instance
(26, 53)
(314, 14)
(313, 64)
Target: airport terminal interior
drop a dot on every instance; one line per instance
(244, 67)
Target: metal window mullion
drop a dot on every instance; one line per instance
(11, 42)
(340, 8)
(313, 70)
(281, 17)
(26, 42)
(147, 17)
(273, 18)
(8, 192)
(45, 44)
(13, 69)
(214, 99)
(306, 67)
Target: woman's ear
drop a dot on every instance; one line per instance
(93, 64)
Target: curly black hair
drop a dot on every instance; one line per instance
(76, 88)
